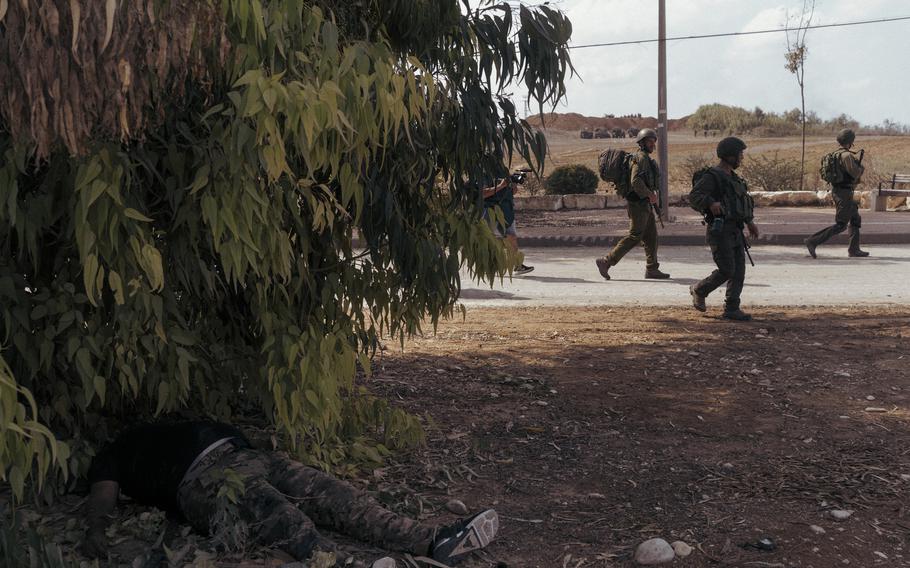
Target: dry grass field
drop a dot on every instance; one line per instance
(885, 155)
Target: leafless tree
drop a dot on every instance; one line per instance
(797, 27)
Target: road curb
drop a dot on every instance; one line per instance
(783, 239)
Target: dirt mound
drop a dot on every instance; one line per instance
(572, 122)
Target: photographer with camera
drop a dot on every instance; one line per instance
(502, 195)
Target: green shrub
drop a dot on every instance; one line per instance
(191, 249)
(574, 178)
(771, 173)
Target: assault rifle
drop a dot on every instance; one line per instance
(747, 246)
(656, 210)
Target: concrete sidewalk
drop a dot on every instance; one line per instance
(779, 226)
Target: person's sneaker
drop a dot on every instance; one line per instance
(454, 542)
(811, 246)
(656, 274)
(603, 266)
(737, 315)
(857, 253)
(384, 562)
(698, 302)
(523, 269)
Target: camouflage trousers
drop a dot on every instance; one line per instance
(846, 214)
(729, 252)
(642, 229)
(284, 501)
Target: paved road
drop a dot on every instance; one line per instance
(783, 276)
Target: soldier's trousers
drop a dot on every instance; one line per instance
(729, 252)
(642, 229)
(846, 213)
(284, 501)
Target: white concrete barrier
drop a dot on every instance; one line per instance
(584, 201)
(539, 202)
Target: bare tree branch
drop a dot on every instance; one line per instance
(796, 64)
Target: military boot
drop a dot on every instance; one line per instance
(656, 274)
(853, 249)
(698, 301)
(603, 266)
(737, 315)
(811, 246)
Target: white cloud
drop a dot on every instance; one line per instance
(759, 46)
(856, 70)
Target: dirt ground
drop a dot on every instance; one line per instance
(591, 430)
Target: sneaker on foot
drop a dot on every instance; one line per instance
(384, 562)
(656, 274)
(456, 541)
(523, 269)
(737, 315)
(698, 302)
(603, 266)
(811, 246)
(857, 253)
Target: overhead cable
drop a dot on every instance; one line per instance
(731, 34)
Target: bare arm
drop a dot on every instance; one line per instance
(491, 191)
(753, 230)
(102, 501)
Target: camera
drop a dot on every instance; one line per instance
(519, 176)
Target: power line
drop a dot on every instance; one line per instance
(728, 34)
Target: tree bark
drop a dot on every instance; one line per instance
(802, 163)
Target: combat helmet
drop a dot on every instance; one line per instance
(730, 146)
(846, 137)
(644, 134)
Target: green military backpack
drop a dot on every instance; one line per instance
(831, 170)
(615, 167)
(697, 175)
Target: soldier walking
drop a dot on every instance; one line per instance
(849, 171)
(722, 196)
(644, 179)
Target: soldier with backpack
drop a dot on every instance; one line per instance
(843, 170)
(723, 198)
(636, 179)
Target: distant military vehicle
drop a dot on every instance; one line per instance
(586, 134)
(618, 133)
(601, 133)
(633, 132)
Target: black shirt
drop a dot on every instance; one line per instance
(150, 460)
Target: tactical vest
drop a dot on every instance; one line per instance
(737, 202)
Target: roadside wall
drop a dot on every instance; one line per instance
(762, 199)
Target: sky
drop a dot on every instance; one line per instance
(858, 70)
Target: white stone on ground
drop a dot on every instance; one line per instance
(681, 549)
(654, 551)
(457, 507)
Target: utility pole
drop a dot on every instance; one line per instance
(662, 110)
